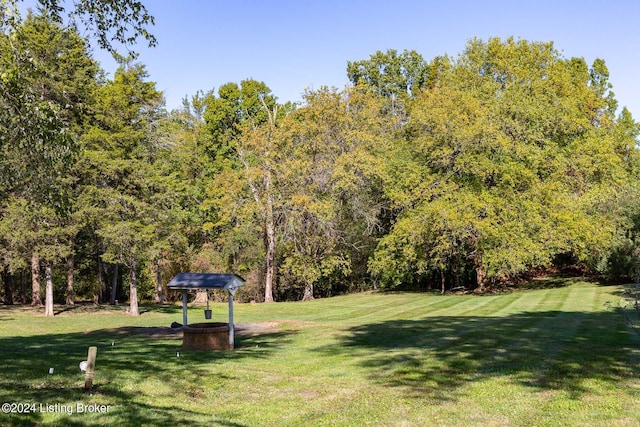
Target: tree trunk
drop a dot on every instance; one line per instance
(36, 299)
(114, 285)
(159, 290)
(48, 300)
(456, 272)
(201, 297)
(24, 288)
(100, 281)
(133, 289)
(481, 276)
(308, 292)
(70, 268)
(7, 281)
(442, 281)
(271, 243)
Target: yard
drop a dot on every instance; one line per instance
(559, 354)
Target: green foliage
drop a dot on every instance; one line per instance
(117, 170)
(110, 21)
(455, 172)
(47, 79)
(513, 156)
(390, 73)
(46, 85)
(124, 197)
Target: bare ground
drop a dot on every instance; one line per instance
(167, 332)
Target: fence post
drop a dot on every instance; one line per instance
(91, 364)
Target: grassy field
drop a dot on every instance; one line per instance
(556, 356)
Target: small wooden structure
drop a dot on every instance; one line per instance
(207, 336)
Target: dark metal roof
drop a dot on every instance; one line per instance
(229, 282)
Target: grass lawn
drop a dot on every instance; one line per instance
(556, 356)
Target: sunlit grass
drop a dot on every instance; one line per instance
(559, 355)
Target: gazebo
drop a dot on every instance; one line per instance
(206, 336)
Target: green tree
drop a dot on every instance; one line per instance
(243, 122)
(391, 74)
(511, 154)
(330, 185)
(302, 180)
(46, 83)
(45, 78)
(120, 185)
(396, 77)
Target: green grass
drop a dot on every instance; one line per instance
(558, 355)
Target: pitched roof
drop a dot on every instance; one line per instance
(230, 282)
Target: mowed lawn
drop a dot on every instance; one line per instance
(558, 356)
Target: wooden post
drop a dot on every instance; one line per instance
(184, 307)
(231, 328)
(91, 364)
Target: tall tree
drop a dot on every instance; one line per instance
(117, 170)
(330, 184)
(38, 66)
(302, 183)
(47, 82)
(511, 155)
(243, 121)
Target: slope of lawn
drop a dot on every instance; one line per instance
(562, 354)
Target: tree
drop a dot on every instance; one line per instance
(117, 171)
(302, 180)
(330, 185)
(39, 230)
(258, 153)
(398, 78)
(391, 74)
(46, 83)
(243, 123)
(511, 156)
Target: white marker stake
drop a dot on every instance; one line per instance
(50, 370)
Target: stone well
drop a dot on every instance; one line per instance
(210, 335)
(206, 336)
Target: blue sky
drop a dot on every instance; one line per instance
(292, 45)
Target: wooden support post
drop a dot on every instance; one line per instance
(91, 365)
(184, 307)
(231, 328)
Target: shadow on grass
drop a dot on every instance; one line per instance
(84, 307)
(165, 309)
(145, 380)
(546, 283)
(436, 356)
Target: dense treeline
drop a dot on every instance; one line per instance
(454, 172)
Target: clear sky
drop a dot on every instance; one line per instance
(292, 45)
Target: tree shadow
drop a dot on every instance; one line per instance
(124, 357)
(164, 308)
(551, 282)
(90, 307)
(436, 356)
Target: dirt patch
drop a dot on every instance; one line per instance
(256, 328)
(167, 332)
